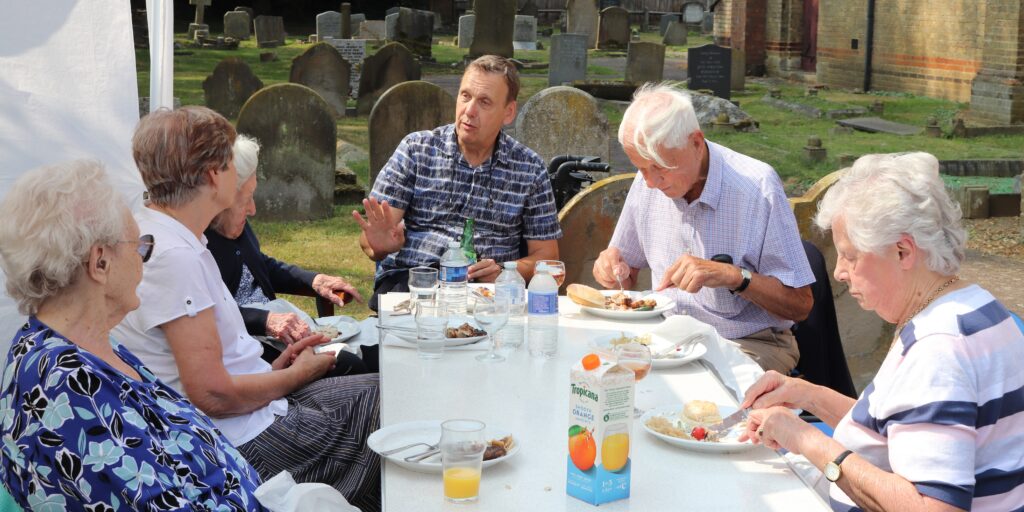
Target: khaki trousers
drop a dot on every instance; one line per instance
(773, 350)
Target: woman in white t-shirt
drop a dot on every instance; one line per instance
(189, 331)
(941, 426)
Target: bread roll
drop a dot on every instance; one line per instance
(700, 413)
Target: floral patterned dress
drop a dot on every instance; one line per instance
(79, 435)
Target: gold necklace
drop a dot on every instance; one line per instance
(933, 296)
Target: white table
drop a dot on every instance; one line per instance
(529, 397)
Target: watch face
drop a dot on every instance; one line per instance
(832, 471)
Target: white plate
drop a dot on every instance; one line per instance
(347, 326)
(471, 299)
(727, 445)
(665, 303)
(427, 431)
(658, 343)
(410, 323)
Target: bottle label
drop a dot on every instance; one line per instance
(543, 303)
(515, 294)
(454, 274)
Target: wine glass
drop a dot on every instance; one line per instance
(636, 357)
(491, 316)
(556, 268)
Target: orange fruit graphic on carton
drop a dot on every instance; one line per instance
(582, 448)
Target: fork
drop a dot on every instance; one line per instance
(393, 451)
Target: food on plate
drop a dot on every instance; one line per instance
(700, 413)
(585, 296)
(329, 331)
(623, 302)
(499, 447)
(643, 339)
(694, 422)
(487, 292)
(464, 331)
(663, 425)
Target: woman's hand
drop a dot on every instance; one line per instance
(287, 327)
(291, 352)
(329, 287)
(778, 427)
(773, 389)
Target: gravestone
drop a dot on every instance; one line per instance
(357, 19)
(524, 36)
(415, 29)
(563, 120)
(588, 222)
(581, 18)
(879, 125)
(493, 28)
(467, 24)
(568, 59)
(390, 26)
(664, 21)
(675, 34)
(346, 20)
(529, 9)
(269, 31)
(298, 135)
(322, 69)
(738, 73)
(390, 66)
(230, 86)
(237, 25)
(328, 24)
(645, 62)
(354, 51)
(613, 31)
(710, 68)
(373, 29)
(200, 23)
(405, 108)
(693, 13)
(247, 10)
(707, 26)
(391, 10)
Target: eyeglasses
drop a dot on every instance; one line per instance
(145, 247)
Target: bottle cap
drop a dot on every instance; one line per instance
(453, 244)
(591, 361)
(511, 265)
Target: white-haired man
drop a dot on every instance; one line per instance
(703, 200)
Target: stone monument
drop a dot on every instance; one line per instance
(405, 108)
(322, 69)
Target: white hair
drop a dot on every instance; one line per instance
(51, 219)
(660, 116)
(883, 197)
(247, 154)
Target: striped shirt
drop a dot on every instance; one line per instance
(742, 212)
(509, 196)
(946, 409)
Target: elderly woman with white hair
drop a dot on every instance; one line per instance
(282, 416)
(84, 425)
(941, 426)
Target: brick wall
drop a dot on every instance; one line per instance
(838, 23)
(749, 32)
(784, 35)
(723, 23)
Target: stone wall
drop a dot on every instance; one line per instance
(723, 23)
(784, 35)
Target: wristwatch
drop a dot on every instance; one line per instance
(746, 281)
(832, 469)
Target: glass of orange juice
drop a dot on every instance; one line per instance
(462, 456)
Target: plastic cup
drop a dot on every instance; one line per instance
(462, 457)
(431, 321)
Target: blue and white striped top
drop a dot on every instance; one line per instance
(509, 196)
(946, 409)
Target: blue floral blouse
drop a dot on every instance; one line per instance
(79, 435)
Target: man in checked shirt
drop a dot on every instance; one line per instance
(437, 179)
(693, 200)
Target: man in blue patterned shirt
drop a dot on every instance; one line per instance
(437, 179)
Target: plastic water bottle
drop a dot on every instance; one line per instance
(512, 285)
(453, 277)
(543, 312)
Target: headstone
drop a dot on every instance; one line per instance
(709, 67)
(322, 69)
(645, 62)
(200, 23)
(675, 34)
(356, 20)
(354, 51)
(563, 120)
(879, 125)
(738, 75)
(707, 25)
(568, 59)
(405, 108)
(230, 86)
(664, 21)
(328, 24)
(391, 10)
(693, 13)
(390, 26)
(237, 25)
(581, 18)
(708, 108)
(467, 24)
(613, 29)
(298, 135)
(415, 30)
(346, 20)
(524, 37)
(247, 10)
(529, 9)
(269, 31)
(493, 29)
(373, 29)
(587, 227)
(390, 66)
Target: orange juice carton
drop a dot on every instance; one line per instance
(600, 421)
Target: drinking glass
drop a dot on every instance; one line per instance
(462, 457)
(636, 357)
(492, 316)
(431, 321)
(422, 284)
(557, 269)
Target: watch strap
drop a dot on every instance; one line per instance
(842, 456)
(743, 285)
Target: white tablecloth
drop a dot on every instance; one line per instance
(529, 397)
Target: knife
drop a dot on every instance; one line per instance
(730, 420)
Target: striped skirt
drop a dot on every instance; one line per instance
(323, 438)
